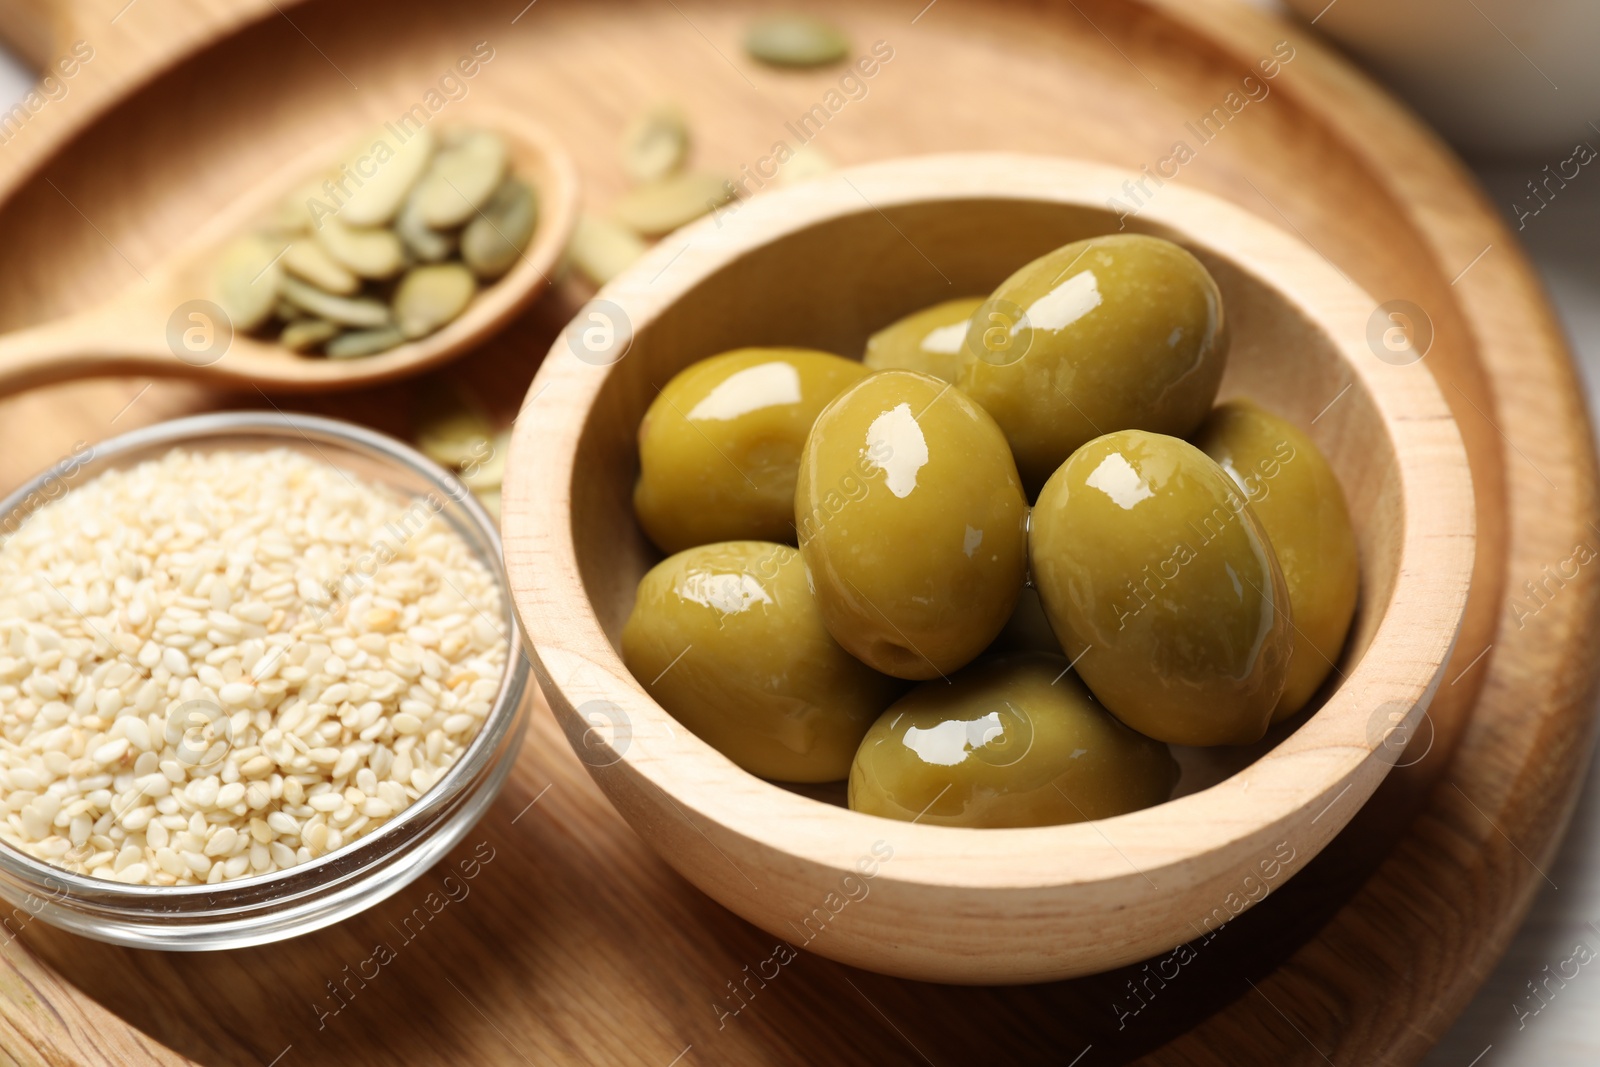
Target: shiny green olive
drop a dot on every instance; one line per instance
(720, 444)
(727, 638)
(912, 519)
(1010, 741)
(1295, 494)
(1113, 333)
(929, 340)
(1164, 589)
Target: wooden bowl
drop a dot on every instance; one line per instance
(826, 263)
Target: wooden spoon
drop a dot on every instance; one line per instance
(141, 330)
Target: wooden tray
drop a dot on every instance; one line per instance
(575, 944)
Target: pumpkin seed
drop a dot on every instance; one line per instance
(655, 144)
(808, 162)
(601, 249)
(461, 180)
(396, 166)
(309, 261)
(426, 244)
(358, 343)
(302, 335)
(369, 253)
(490, 499)
(361, 312)
(489, 471)
(453, 429)
(795, 41)
(294, 214)
(660, 208)
(429, 297)
(492, 242)
(248, 274)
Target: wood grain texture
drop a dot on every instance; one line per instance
(588, 948)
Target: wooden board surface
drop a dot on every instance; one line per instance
(575, 943)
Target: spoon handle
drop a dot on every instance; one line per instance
(108, 341)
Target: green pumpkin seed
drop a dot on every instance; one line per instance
(369, 253)
(247, 279)
(360, 312)
(387, 169)
(808, 162)
(461, 180)
(431, 296)
(492, 242)
(453, 429)
(302, 335)
(655, 145)
(359, 343)
(654, 210)
(489, 471)
(795, 41)
(310, 262)
(425, 244)
(601, 249)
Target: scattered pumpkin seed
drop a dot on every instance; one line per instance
(397, 165)
(453, 429)
(655, 144)
(795, 40)
(490, 499)
(808, 162)
(247, 281)
(488, 472)
(302, 335)
(371, 253)
(461, 180)
(492, 242)
(310, 262)
(363, 343)
(361, 312)
(601, 249)
(654, 210)
(430, 296)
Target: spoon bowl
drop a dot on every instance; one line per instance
(171, 327)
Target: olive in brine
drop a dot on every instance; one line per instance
(727, 638)
(1163, 588)
(1010, 741)
(720, 444)
(1295, 494)
(929, 340)
(1113, 333)
(912, 519)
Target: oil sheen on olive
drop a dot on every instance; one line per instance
(929, 340)
(1009, 741)
(719, 446)
(1295, 494)
(912, 519)
(727, 638)
(1164, 589)
(1112, 333)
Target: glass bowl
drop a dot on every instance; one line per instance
(270, 907)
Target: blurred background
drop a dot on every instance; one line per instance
(1515, 93)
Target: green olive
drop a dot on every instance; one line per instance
(1010, 741)
(912, 519)
(719, 446)
(929, 340)
(727, 638)
(1164, 589)
(1295, 494)
(1113, 333)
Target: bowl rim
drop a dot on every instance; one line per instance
(213, 431)
(1331, 762)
